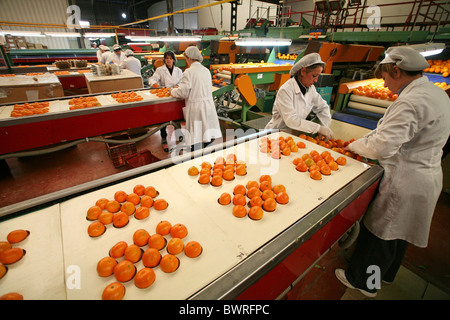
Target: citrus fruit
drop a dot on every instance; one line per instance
(151, 257)
(341, 161)
(160, 204)
(105, 267)
(139, 189)
(315, 174)
(93, 213)
(256, 201)
(325, 170)
(178, 231)
(17, 236)
(4, 245)
(193, 171)
(11, 296)
(96, 229)
(267, 194)
(241, 170)
(239, 189)
(265, 184)
(206, 165)
(157, 241)
(224, 199)
(253, 192)
(333, 166)
(118, 250)
(239, 211)
(120, 219)
(278, 188)
(204, 178)
(147, 201)
(301, 145)
(112, 206)
(193, 249)
(216, 180)
(142, 213)
(133, 253)
(169, 263)
(128, 207)
(144, 278)
(113, 291)
(252, 184)
(120, 196)
(270, 204)
(10, 256)
(140, 237)
(239, 199)
(3, 270)
(133, 198)
(175, 246)
(151, 191)
(282, 198)
(228, 174)
(163, 227)
(302, 167)
(255, 213)
(101, 203)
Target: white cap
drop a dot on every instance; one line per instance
(105, 48)
(306, 61)
(193, 53)
(405, 58)
(129, 52)
(116, 46)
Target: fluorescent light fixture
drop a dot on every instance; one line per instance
(428, 49)
(23, 33)
(142, 38)
(263, 42)
(84, 24)
(98, 35)
(63, 34)
(180, 38)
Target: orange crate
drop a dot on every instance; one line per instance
(118, 151)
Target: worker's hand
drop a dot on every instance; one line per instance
(326, 132)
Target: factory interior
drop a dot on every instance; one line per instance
(55, 163)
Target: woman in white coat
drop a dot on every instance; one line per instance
(298, 96)
(202, 123)
(408, 144)
(168, 75)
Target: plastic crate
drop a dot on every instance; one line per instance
(118, 151)
(140, 159)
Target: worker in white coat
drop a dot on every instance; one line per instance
(100, 51)
(168, 75)
(131, 63)
(297, 97)
(202, 122)
(117, 56)
(408, 144)
(105, 55)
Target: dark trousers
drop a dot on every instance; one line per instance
(373, 251)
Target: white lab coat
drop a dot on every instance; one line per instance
(199, 112)
(105, 57)
(163, 78)
(131, 63)
(408, 144)
(99, 55)
(291, 108)
(117, 59)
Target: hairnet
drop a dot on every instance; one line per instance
(306, 61)
(116, 46)
(193, 53)
(405, 58)
(129, 52)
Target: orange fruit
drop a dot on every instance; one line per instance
(118, 250)
(12, 255)
(93, 213)
(270, 204)
(112, 206)
(178, 231)
(151, 191)
(275, 154)
(278, 188)
(133, 253)
(239, 189)
(151, 257)
(228, 174)
(267, 194)
(101, 203)
(265, 184)
(120, 219)
(341, 161)
(160, 204)
(225, 198)
(216, 180)
(17, 236)
(282, 198)
(253, 192)
(3, 270)
(96, 229)
(4, 245)
(105, 267)
(128, 207)
(113, 291)
(286, 151)
(328, 159)
(204, 178)
(157, 241)
(241, 170)
(163, 227)
(325, 170)
(120, 196)
(144, 278)
(140, 237)
(133, 198)
(302, 167)
(301, 145)
(315, 174)
(206, 165)
(147, 201)
(142, 213)
(333, 166)
(175, 246)
(296, 161)
(193, 249)
(205, 171)
(139, 189)
(193, 171)
(217, 172)
(255, 213)
(239, 211)
(124, 271)
(169, 263)
(239, 199)
(252, 184)
(256, 201)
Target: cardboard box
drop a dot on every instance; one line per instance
(127, 80)
(38, 46)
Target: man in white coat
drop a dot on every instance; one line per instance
(408, 144)
(105, 55)
(131, 63)
(298, 96)
(202, 122)
(117, 56)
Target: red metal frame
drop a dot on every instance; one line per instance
(275, 282)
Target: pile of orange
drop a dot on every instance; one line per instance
(277, 147)
(59, 73)
(439, 66)
(29, 109)
(218, 81)
(34, 73)
(255, 197)
(128, 96)
(84, 71)
(145, 247)
(83, 102)
(318, 165)
(10, 255)
(441, 84)
(223, 169)
(375, 90)
(161, 92)
(7, 75)
(117, 211)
